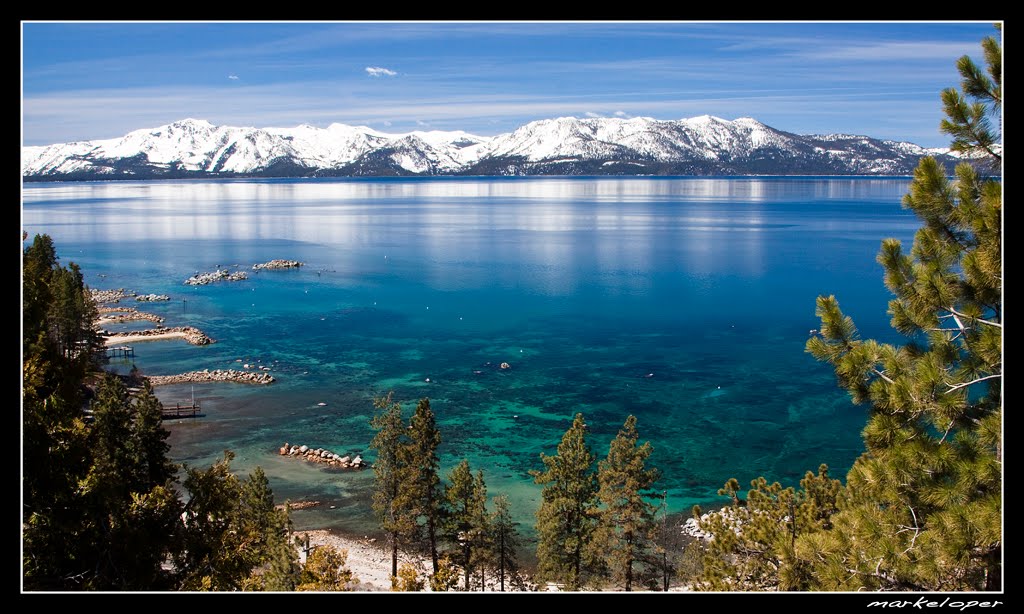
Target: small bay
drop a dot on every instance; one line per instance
(684, 301)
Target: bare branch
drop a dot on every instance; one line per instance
(946, 434)
(882, 375)
(956, 313)
(965, 384)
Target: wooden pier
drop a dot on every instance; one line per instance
(182, 411)
(125, 351)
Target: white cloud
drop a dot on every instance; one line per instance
(387, 123)
(621, 114)
(377, 71)
(592, 114)
(233, 77)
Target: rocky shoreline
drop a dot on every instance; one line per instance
(277, 264)
(191, 334)
(217, 375)
(321, 455)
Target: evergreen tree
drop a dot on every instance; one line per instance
(567, 516)
(230, 529)
(466, 517)
(150, 439)
(424, 482)
(922, 507)
(753, 545)
(55, 437)
(627, 522)
(446, 577)
(504, 542)
(283, 572)
(326, 570)
(127, 515)
(392, 501)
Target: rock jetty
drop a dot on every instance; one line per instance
(277, 264)
(129, 314)
(147, 298)
(191, 334)
(219, 275)
(321, 455)
(115, 296)
(297, 505)
(109, 296)
(217, 375)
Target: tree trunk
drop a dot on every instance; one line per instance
(394, 555)
(433, 541)
(501, 561)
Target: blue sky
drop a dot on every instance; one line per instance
(101, 80)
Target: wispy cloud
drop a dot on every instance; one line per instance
(377, 71)
(622, 114)
(233, 77)
(592, 114)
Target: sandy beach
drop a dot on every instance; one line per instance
(122, 339)
(370, 561)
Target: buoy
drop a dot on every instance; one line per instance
(321, 404)
(427, 380)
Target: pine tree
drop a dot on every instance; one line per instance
(424, 482)
(55, 437)
(326, 570)
(230, 531)
(391, 498)
(754, 540)
(567, 516)
(504, 542)
(922, 505)
(627, 522)
(150, 439)
(466, 517)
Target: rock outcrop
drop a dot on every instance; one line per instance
(277, 264)
(322, 455)
(201, 279)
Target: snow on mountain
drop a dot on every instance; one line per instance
(564, 145)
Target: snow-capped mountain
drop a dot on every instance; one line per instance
(702, 145)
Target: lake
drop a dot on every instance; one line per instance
(684, 301)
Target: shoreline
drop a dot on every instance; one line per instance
(368, 557)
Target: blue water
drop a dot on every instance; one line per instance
(686, 302)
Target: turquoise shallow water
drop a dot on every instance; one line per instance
(686, 302)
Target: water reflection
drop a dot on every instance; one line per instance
(548, 236)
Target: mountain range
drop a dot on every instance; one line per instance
(703, 145)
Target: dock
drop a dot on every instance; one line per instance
(181, 411)
(125, 351)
